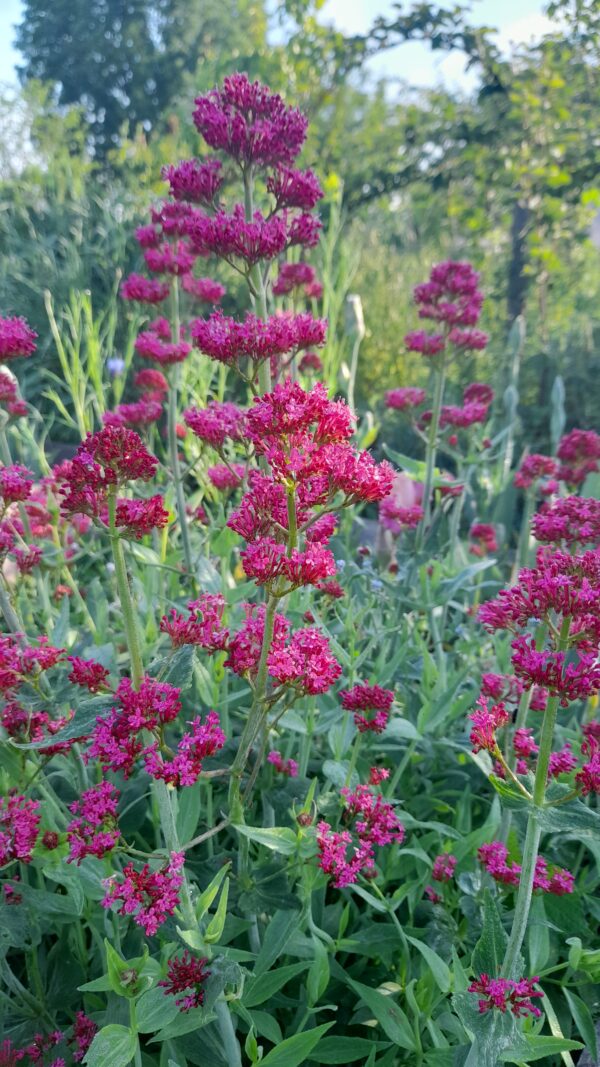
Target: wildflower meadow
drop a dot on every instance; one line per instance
(300, 751)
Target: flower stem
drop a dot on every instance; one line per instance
(510, 965)
(255, 718)
(172, 433)
(438, 397)
(132, 634)
(231, 1046)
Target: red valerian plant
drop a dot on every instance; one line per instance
(231, 735)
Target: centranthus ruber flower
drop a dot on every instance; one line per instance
(535, 467)
(186, 974)
(404, 399)
(443, 867)
(149, 896)
(94, 831)
(571, 520)
(344, 855)
(579, 455)
(363, 698)
(17, 339)
(19, 827)
(204, 739)
(216, 423)
(504, 994)
(486, 721)
(287, 767)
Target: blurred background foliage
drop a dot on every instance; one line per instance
(507, 176)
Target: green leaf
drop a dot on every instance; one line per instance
(278, 933)
(175, 669)
(206, 898)
(295, 1050)
(388, 1014)
(439, 969)
(344, 1049)
(575, 817)
(583, 1021)
(155, 1009)
(489, 951)
(317, 978)
(114, 1045)
(266, 1026)
(257, 990)
(337, 772)
(81, 725)
(215, 927)
(538, 936)
(278, 838)
(537, 1047)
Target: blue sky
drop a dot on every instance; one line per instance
(516, 20)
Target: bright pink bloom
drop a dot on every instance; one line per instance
(534, 467)
(443, 867)
(376, 823)
(227, 341)
(486, 721)
(225, 477)
(309, 362)
(16, 483)
(232, 237)
(155, 343)
(28, 558)
(287, 767)
(84, 1031)
(117, 742)
(294, 189)
(88, 673)
(561, 762)
(306, 663)
(377, 775)
(151, 381)
(524, 744)
(142, 412)
(144, 290)
(186, 973)
(404, 399)
(203, 626)
(149, 896)
(16, 339)
(139, 517)
(19, 828)
(204, 739)
(429, 344)
(572, 520)
(250, 123)
(194, 181)
(505, 994)
(94, 831)
(291, 276)
(266, 560)
(204, 289)
(471, 339)
(574, 680)
(368, 698)
(579, 452)
(170, 259)
(216, 423)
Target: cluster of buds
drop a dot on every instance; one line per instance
(450, 298)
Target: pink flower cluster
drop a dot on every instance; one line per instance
(155, 343)
(216, 423)
(486, 721)
(483, 539)
(579, 455)
(534, 468)
(186, 973)
(203, 740)
(504, 994)
(194, 181)
(149, 896)
(234, 238)
(203, 625)
(19, 827)
(571, 520)
(451, 296)
(494, 857)
(375, 824)
(443, 867)
(14, 407)
(16, 339)
(256, 339)
(250, 123)
(366, 697)
(117, 739)
(94, 831)
(561, 587)
(295, 275)
(88, 673)
(404, 399)
(287, 767)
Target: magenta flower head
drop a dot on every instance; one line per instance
(534, 467)
(194, 181)
(571, 520)
(16, 339)
(363, 698)
(579, 453)
(144, 290)
(505, 995)
(250, 123)
(148, 896)
(186, 974)
(404, 399)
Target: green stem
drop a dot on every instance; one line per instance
(137, 1059)
(257, 286)
(172, 433)
(522, 557)
(438, 397)
(231, 1048)
(130, 624)
(356, 747)
(532, 837)
(255, 718)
